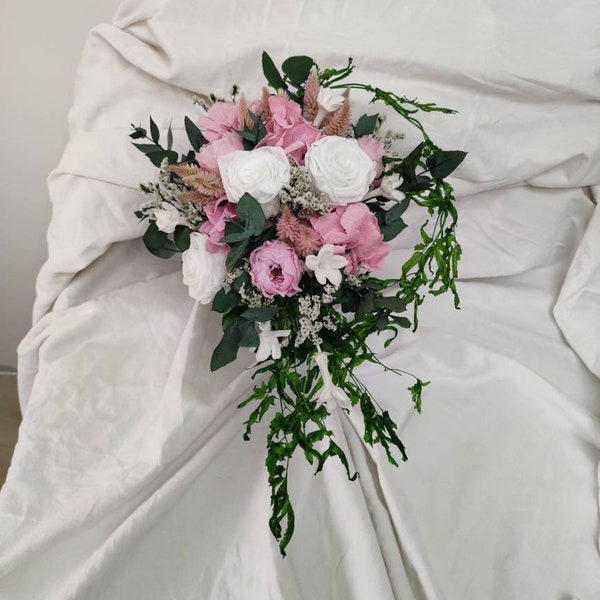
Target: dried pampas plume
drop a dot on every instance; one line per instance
(266, 113)
(340, 120)
(206, 187)
(311, 91)
(244, 114)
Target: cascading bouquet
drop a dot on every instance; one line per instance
(283, 208)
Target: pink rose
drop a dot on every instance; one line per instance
(209, 154)
(375, 150)
(217, 213)
(288, 129)
(353, 228)
(275, 269)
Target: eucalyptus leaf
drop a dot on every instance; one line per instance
(224, 301)
(181, 236)
(262, 314)
(297, 69)
(154, 238)
(226, 350)
(390, 303)
(249, 336)
(250, 214)
(154, 132)
(365, 125)
(197, 140)
(393, 229)
(444, 162)
(270, 71)
(235, 254)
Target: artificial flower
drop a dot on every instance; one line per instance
(203, 271)
(261, 172)
(168, 217)
(269, 346)
(331, 395)
(340, 169)
(326, 265)
(275, 269)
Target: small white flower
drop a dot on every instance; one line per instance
(261, 172)
(330, 99)
(168, 217)
(203, 271)
(331, 395)
(326, 265)
(389, 185)
(269, 341)
(340, 168)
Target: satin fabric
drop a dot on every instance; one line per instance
(131, 479)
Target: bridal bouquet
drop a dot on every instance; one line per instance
(283, 208)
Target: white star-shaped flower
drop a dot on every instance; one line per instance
(326, 265)
(331, 395)
(389, 187)
(269, 346)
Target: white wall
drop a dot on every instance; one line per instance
(40, 44)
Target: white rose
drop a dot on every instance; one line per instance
(167, 217)
(203, 271)
(261, 173)
(340, 169)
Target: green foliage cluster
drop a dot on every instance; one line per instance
(288, 388)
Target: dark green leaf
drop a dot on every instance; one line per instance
(251, 214)
(244, 278)
(248, 336)
(263, 314)
(365, 125)
(154, 238)
(139, 214)
(235, 232)
(163, 252)
(148, 148)
(156, 158)
(138, 134)
(169, 137)
(297, 69)
(235, 254)
(396, 212)
(154, 132)
(274, 79)
(224, 301)
(366, 304)
(392, 230)
(197, 140)
(182, 237)
(226, 350)
(444, 162)
(391, 303)
(402, 322)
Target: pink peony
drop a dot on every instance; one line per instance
(217, 213)
(288, 129)
(209, 154)
(374, 149)
(353, 228)
(275, 269)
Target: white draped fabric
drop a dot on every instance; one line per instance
(131, 479)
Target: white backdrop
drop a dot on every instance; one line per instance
(38, 60)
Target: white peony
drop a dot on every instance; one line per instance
(340, 169)
(203, 271)
(326, 265)
(261, 173)
(168, 217)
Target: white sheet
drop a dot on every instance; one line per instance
(130, 478)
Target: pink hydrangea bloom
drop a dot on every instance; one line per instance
(223, 118)
(375, 150)
(217, 213)
(275, 269)
(353, 228)
(288, 129)
(209, 154)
